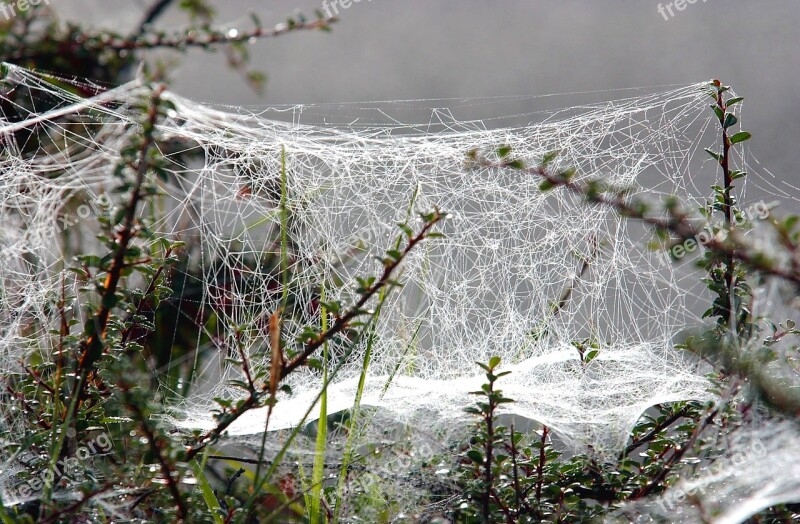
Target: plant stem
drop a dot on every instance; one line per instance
(94, 344)
(678, 225)
(357, 310)
(343, 321)
(318, 472)
(156, 446)
(727, 208)
(489, 450)
(540, 466)
(657, 430)
(152, 14)
(91, 45)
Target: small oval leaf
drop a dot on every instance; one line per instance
(740, 137)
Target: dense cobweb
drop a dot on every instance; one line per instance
(492, 286)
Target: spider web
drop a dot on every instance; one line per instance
(492, 286)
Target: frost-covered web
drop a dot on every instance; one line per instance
(490, 287)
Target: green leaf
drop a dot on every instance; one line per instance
(503, 151)
(119, 215)
(714, 154)
(161, 173)
(733, 101)
(494, 362)
(90, 260)
(475, 456)
(205, 489)
(730, 120)
(719, 112)
(332, 307)
(405, 229)
(365, 284)
(257, 78)
(546, 186)
(550, 156)
(394, 254)
(740, 137)
(568, 174)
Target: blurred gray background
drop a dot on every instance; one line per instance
(404, 49)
